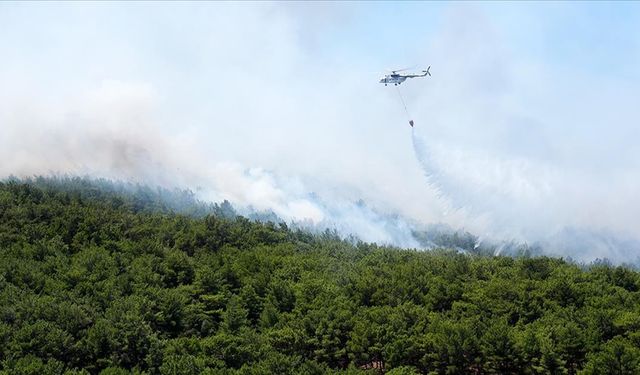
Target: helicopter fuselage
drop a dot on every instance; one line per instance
(396, 79)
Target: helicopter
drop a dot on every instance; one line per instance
(397, 78)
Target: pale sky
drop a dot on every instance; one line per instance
(529, 124)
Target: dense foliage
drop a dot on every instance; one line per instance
(111, 280)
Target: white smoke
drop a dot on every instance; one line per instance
(526, 202)
(109, 132)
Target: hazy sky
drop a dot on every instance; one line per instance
(528, 126)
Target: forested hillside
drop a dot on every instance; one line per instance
(96, 278)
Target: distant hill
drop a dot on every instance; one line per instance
(98, 277)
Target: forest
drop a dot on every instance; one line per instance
(105, 278)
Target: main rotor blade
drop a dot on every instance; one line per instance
(401, 70)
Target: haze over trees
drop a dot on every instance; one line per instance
(101, 278)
